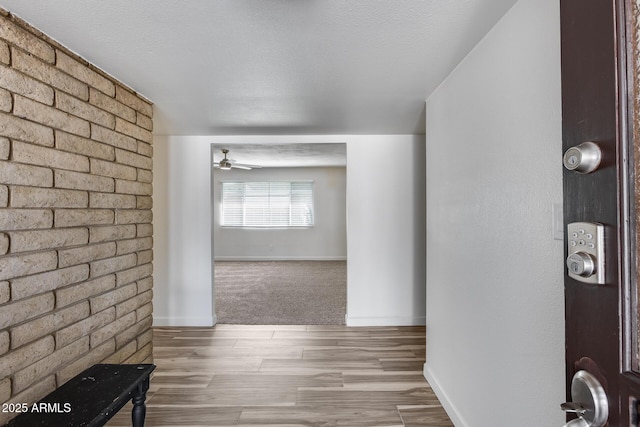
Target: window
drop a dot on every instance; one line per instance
(270, 204)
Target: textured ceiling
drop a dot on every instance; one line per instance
(273, 67)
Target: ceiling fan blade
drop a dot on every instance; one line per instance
(246, 165)
(238, 166)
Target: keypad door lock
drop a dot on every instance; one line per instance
(585, 262)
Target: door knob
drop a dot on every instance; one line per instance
(583, 158)
(590, 402)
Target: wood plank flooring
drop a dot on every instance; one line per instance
(312, 376)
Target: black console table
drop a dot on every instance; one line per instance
(91, 398)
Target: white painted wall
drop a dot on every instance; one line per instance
(326, 240)
(495, 302)
(182, 293)
(385, 227)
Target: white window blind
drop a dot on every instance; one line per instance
(267, 204)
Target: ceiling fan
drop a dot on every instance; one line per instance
(226, 164)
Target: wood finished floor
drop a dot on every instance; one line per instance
(312, 376)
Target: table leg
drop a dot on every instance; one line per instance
(139, 408)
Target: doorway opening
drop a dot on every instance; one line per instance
(279, 233)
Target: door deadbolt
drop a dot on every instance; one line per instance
(583, 158)
(581, 264)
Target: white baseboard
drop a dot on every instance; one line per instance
(280, 258)
(159, 321)
(448, 406)
(385, 321)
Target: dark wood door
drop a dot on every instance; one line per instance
(601, 319)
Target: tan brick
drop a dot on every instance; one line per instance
(31, 263)
(31, 197)
(144, 122)
(145, 257)
(141, 355)
(145, 311)
(122, 354)
(133, 216)
(5, 148)
(82, 291)
(133, 101)
(4, 196)
(114, 232)
(132, 159)
(83, 181)
(50, 157)
(131, 187)
(110, 330)
(145, 337)
(77, 217)
(5, 385)
(5, 293)
(14, 313)
(14, 127)
(45, 325)
(85, 74)
(24, 85)
(111, 105)
(20, 174)
(4, 243)
(24, 378)
(48, 74)
(145, 149)
(86, 254)
(27, 41)
(5, 56)
(84, 327)
(113, 201)
(6, 101)
(133, 274)
(108, 136)
(91, 358)
(134, 245)
(132, 332)
(30, 395)
(133, 303)
(50, 116)
(111, 298)
(111, 265)
(33, 240)
(145, 284)
(114, 170)
(84, 110)
(144, 230)
(87, 147)
(145, 175)
(25, 356)
(25, 219)
(4, 342)
(24, 287)
(133, 130)
(144, 202)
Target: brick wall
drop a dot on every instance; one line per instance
(75, 217)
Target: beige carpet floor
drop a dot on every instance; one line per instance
(281, 292)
